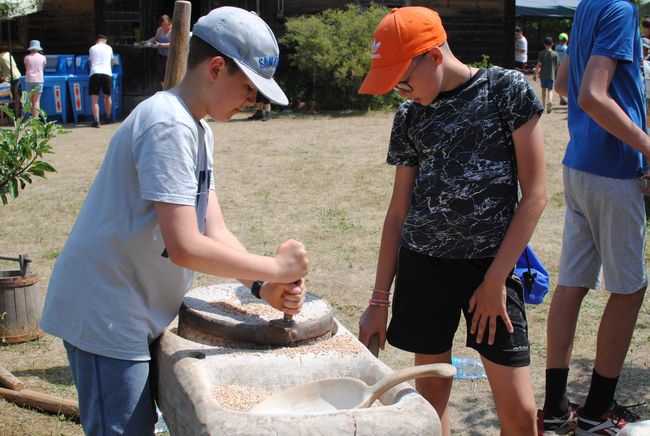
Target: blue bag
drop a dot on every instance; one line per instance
(533, 276)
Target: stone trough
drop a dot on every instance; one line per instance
(207, 384)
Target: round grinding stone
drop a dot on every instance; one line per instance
(229, 311)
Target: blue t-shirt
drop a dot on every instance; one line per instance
(606, 28)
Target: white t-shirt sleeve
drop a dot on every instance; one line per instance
(166, 160)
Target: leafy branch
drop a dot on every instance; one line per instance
(14, 8)
(22, 149)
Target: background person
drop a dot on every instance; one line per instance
(561, 46)
(34, 66)
(10, 73)
(162, 40)
(521, 49)
(547, 64)
(645, 26)
(604, 226)
(100, 58)
(263, 109)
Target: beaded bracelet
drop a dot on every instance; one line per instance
(380, 303)
(379, 291)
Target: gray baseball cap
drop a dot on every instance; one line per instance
(249, 41)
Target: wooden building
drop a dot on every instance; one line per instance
(474, 27)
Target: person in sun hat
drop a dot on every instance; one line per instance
(151, 218)
(34, 79)
(453, 230)
(605, 220)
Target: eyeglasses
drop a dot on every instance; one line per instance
(404, 86)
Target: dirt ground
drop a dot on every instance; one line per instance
(320, 179)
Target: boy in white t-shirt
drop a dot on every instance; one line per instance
(100, 58)
(152, 217)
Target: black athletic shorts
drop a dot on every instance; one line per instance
(100, 81)
(430, 294)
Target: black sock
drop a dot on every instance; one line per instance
(601, 395)
(556, 402)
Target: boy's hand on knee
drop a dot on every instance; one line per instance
(488, 304)
(287, 297)
(292, 261)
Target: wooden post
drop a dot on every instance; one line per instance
(180, 44)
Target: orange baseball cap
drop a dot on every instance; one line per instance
(402, 35)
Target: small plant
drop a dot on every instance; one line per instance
(483, 63)
(22, 149)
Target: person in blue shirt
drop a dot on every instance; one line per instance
(604, 229)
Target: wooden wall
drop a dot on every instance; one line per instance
(478, 27)
(63, 26)
(474, 27)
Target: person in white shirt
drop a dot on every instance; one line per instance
(521, 49)
(100, 57)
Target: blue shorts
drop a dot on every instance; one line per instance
(31, 85)
(114, 395)
(546, 84)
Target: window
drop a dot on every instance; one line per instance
(121, 20)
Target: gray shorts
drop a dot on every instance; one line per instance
(604, 228)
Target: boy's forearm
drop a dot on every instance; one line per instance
(519, 232)
(595, 100)
(208, 256)
(388, 250)
(609, 115)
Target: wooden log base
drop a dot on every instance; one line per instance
(10, 381)
(41, 401)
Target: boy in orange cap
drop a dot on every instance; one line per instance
(460, 143)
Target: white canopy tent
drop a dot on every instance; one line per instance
(560, 8)
(546, 8)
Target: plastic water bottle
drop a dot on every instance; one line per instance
(160, 427)
(468, 367)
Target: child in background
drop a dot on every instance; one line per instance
(547, 65)
(561, 46)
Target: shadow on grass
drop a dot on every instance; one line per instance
(633, 384)
(57, 375)
(307, 115)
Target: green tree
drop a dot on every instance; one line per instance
(15, 8)
(330, 55)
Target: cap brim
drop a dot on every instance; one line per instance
(268, 87)
(382, 80)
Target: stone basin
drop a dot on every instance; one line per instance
(209, 389)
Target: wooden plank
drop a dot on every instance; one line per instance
(22, 324)
(31, 308)
(10, 312)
